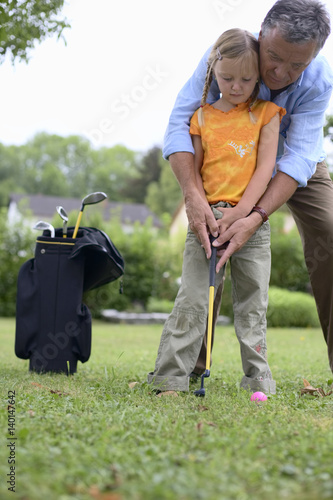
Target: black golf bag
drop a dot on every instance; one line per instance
(53, 326)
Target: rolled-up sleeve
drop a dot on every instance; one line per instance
(303, 135)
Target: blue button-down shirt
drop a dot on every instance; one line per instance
(301, 131)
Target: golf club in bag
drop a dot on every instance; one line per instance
(53, 326)
(212, 265)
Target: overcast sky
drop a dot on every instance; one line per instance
(117, 78)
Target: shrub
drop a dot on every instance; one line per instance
(106, 297)
(288, 265)
(291, 309)
(162, 306)
(16, 246)
(138, 251)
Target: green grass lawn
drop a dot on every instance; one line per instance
(91, 436)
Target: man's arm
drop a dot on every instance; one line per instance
(177, 137)
(279, 190)
(200, 217)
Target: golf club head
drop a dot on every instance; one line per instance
(44, 226)
(200, 392)
(63, 214)
(90, 199)
(93, 198)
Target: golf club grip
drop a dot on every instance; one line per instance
(212, 266)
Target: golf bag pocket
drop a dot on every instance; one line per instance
(27, 316)
(102, 261)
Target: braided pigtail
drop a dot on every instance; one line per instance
(208, 81)
(213, 57)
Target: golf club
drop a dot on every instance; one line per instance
(201, 392)
(63, 214)
(90, 199)
(44, 226)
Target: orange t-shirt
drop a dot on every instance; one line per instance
(230, 144)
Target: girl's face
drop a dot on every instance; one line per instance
(236, 80)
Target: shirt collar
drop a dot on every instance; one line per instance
(291, 88)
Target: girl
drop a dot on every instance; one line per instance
(235, 142)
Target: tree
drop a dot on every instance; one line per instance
(114, 169)
(47, 164)
(10, 172)
(24, 22)
(164, 196)
(71, 155)
(149, 170)
(68, 166)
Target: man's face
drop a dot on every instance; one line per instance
(281, 62)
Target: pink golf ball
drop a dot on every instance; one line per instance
(258, 396)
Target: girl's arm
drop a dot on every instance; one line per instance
(266, 159)
(198, 161)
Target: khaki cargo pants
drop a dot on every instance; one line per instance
(185, 327)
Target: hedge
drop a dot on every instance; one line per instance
(291, 309)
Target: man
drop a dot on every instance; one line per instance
(296, 78)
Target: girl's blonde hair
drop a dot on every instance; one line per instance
(233, 44)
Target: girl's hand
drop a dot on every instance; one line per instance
(230, 215)
(235, 237)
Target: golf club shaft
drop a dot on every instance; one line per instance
(77, 225)
(212, 271)
(210, 326)
(212, 265)
(63, 214)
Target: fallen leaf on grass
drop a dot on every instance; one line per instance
(200, 425)
(39, 385)
(59, 393)
(167, 393)
(116, 478)
(314, 391)
(95, 492)
(131, 385)
(51, 390)
(202, 408)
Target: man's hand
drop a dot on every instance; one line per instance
(200, 217)
(202, 221)
(279, 190)
(237, 235)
